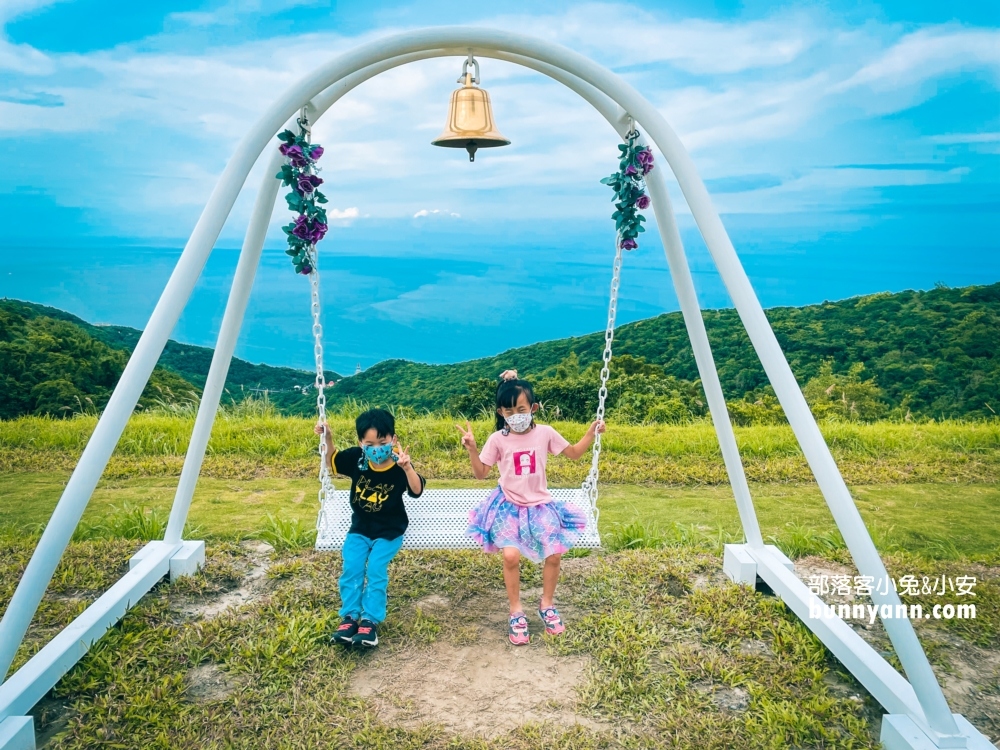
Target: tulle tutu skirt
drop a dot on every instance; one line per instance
(537, 530)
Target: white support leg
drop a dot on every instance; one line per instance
(80, 487)
(17, 733)
(741, 567)
(232, 321)
(40, 674)
(680, 272)
(187, 559)
(900, 732)
(906, 726)
(945, 731)
(838, 497)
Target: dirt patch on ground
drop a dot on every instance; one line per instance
(51, 717)
(972, 684)
(727, 699)
(208, 683)
(482, 688)
(251, 588)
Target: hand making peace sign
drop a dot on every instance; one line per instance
(468, 439)
(402, 455)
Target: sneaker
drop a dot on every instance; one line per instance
(553, 622)
(518, 633)
(367, 635)
(344, 633)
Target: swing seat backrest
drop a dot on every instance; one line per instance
(438, 519)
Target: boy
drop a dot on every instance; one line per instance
(379, 476)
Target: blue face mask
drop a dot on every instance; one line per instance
(377, 454)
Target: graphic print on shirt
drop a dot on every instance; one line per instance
(524, 462)
(369, 496)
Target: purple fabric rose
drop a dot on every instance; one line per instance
(318, 232)
(309, 182)
(631, 170)
(306, 270)
(301, 229)
(643, 202)
(629, 244)
(645, 158)
(316, 152)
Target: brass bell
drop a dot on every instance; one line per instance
(470, 117)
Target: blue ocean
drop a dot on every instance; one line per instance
(397, 291)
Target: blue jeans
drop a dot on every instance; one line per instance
(366, 556)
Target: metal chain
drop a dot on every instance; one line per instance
(590, 483)
(325, 483)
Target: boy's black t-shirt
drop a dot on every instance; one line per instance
(377, 509)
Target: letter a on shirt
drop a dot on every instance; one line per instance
(522, 458)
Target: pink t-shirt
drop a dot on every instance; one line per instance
(522, 462)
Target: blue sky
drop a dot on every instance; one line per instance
(851, 147)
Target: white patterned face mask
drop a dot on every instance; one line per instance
(519, 422)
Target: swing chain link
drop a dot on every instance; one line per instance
(326, 488)
(590, 483)
(325, 483)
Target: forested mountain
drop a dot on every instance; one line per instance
(928, 353)
(39, 344)
(50, 366)
(914, 354)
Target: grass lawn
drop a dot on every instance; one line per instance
(952, 519)
(661, 652)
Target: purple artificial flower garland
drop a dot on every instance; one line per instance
(310, 226)
(630, 190)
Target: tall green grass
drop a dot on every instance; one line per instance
(254, 441)
(125, 522)
(287, 533)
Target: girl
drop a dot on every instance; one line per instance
(520, 516)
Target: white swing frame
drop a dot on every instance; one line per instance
(919, 716)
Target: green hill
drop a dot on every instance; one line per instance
(51, 366)
(77, 345)
(928, 353)
(913, 354)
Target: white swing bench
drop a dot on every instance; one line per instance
(438, 518)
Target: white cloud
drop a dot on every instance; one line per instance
(929, 53)
(745, 97)
(234, 11)
(628, 35)
(347, 213)
(949, 138)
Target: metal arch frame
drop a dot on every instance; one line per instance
(920, 702)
